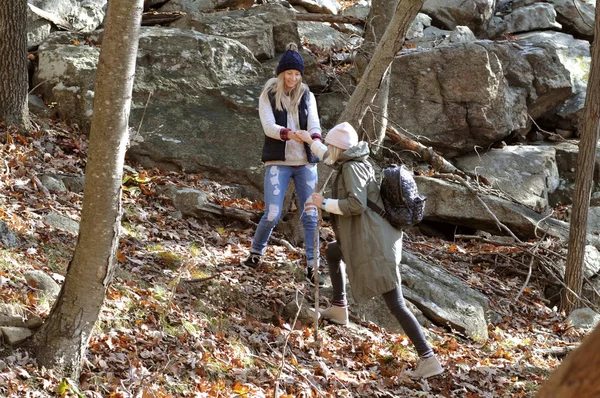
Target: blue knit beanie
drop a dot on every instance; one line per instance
(291, 59)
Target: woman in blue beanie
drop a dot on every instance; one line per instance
(286, 107)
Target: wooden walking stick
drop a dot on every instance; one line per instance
(316, 265)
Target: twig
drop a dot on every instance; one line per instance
(144, 113)
(537, 224)
(549, 133)
(299, 305)
(318, 390)
(39, 84)
(491, 241)
(528, 274)
(560, 281)
(40, 186)
(558, 352)
(457, 178)
(581, 15)
(200, 280)
(316, 266)
(286, 244)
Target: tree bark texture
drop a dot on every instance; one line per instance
(62, 341)
(375, 120)
(13, 63)
(388, 46)
(583, 181)
(579, 374)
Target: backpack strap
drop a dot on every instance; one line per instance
(376, 208)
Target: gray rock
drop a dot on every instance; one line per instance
(7, 238)
(12, 320)
(454, 204)
(583, 319)
(38, 28)
(594, 220)
(434, 37)
(251, 31)
(306, 315)
(190, 5)
(11, 310)
(318, 6)
(37, 106)
(41, 281)
(53, 183)
(574, 54)
(526, 173)
(534, 17)
(415, 30)
(475, 14)
(566, 161)
(474, 94)
(443, 298)
(34, 322)
(577, 15)
(73, 183)
(360, 10)
(322, 36)
(77, 15)
(15, 335)
(63, 223)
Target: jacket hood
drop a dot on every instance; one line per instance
(358, 152)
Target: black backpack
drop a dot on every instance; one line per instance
(403, 206)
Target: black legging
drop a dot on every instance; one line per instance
(393, 299)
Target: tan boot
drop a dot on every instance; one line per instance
(427, 367)
(336, 314)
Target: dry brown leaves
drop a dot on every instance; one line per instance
(183, 319)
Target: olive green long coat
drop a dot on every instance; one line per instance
(371, 247)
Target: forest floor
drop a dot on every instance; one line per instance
(182, 318)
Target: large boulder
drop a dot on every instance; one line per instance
(538, 16)
(265, 30)
(250, 31)
(190, 5)
(74, 15)
(566, 161)
(452, 203)
(526, 173)
(38, 27)
(443, 298)
(194, 101)
(577, 16)
(475, 14)
(574, 54)
(474, 94)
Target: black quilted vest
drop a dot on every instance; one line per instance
(275, 149)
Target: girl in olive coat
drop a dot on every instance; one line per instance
(369, 246)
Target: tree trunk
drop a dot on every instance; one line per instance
(579, 374)
(62, 341)
(389, 45)
(375, 120)
(13, 63)
(583, 182)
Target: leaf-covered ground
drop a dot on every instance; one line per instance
(183, 319)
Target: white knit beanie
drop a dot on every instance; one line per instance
(342, 136)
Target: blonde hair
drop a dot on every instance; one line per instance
(334, 154)
(276, 86)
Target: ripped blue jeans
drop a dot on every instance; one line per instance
(277, 179)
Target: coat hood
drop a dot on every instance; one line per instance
(358, 152)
